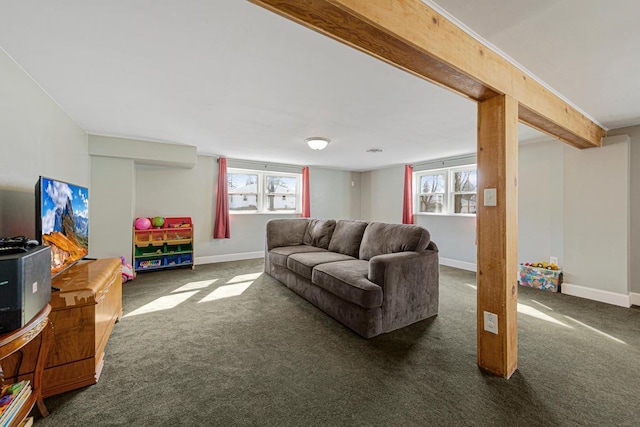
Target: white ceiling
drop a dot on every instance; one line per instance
(236, 80)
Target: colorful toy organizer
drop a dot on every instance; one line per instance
(166, 247)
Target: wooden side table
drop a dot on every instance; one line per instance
(15, 341)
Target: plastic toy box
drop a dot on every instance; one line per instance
(150, 263)
(540, 278)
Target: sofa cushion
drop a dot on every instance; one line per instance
(348, 280)
(303, 263)
(347, 236)
(381, 238)
(286, 232)
(319, 232)
(279, 255)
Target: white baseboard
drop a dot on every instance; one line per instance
(228, 257)
(463, 265)
(621, 300)
(634, 298)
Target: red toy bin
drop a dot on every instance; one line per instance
(177, 222)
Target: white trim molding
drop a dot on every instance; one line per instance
(634, 298)
(463, 265)
(621, 300)
(228, 257)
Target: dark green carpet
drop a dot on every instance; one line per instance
(267, 357)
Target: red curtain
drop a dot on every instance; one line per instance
(221, 226)
(306, 202)
(407, 204)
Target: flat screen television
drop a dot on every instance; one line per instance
(62, 221)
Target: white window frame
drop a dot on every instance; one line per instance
(449, 194)
(454, 193)
(418, 191)
(263, 194)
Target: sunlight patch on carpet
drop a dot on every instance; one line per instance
(195, 285)
(534, 312)
(244, 277)
(163, 303)
(474, 287)
(542, 305)
(591, 328)
(227, 291)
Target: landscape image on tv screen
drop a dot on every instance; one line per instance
(64, 221)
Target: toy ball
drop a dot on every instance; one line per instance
(142, 223)
(157, 221)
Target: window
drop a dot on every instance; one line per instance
(243, 191)
(432, 192)
(263, 192)
(465, 187)
(447, 191)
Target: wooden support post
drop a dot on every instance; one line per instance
(497, 228)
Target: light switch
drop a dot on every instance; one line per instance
(490, 197)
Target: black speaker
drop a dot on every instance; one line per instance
(25, 285)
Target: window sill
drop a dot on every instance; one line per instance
(446, 214)
(263, 213)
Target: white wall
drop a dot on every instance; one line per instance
(540, 202)
(112, 199)
(36, 138)
(596, 221)
(335, 194)
(144, 152)
(455, 237)
(381, 194)
(634, 207)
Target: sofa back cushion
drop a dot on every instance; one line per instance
(381, 238)
(286, 232)
(347, 237)
(319, 233)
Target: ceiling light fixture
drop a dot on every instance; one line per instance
(317, 143)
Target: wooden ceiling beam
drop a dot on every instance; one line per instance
(413, 37)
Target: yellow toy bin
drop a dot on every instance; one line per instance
(540, 278)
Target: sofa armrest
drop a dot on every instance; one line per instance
(285, 232)
(410, 286)
(400, 267)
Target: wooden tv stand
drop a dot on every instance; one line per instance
(83, 313)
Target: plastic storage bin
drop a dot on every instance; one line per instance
(149, 263)
(540, 278)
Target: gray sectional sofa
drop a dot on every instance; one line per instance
(372, 277)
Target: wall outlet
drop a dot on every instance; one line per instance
(553, 260)
(491, 322)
